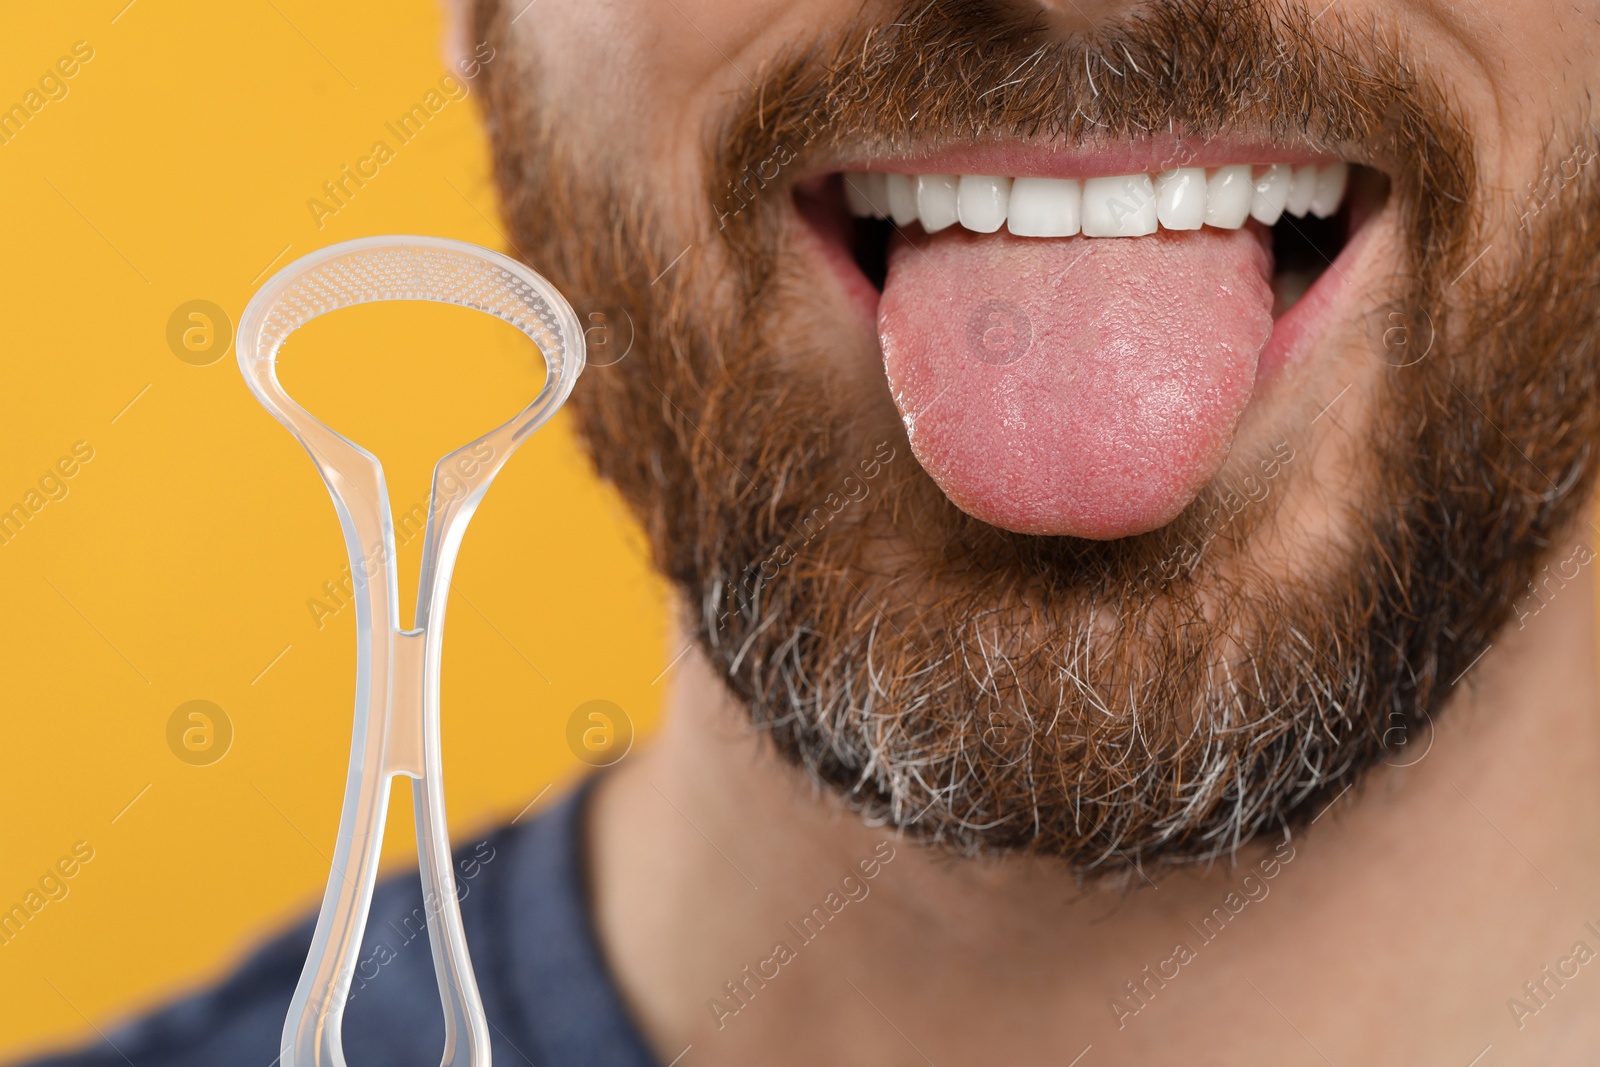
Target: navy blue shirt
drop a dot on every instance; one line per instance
(548, 996)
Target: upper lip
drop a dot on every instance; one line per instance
(1105, 158)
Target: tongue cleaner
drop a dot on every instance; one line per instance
(397, 671)
(1079, 386)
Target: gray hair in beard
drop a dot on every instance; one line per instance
(1090, 701)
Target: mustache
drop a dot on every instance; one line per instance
(961, 71)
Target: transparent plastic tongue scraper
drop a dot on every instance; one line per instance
(397, 671)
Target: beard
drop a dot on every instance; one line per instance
(1154, 700)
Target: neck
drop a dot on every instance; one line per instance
(720, 893)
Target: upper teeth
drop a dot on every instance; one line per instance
(1127, 205)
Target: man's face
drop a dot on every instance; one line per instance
(1129, 495)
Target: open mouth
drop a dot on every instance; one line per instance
(1072, 353)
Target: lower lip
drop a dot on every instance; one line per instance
(1294, 333)
(820, 235)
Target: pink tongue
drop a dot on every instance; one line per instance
(1081, 386)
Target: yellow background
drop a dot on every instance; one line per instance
(180, 562)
